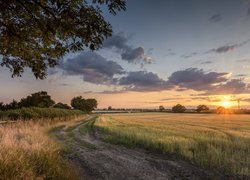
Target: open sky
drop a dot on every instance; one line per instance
(162, 52)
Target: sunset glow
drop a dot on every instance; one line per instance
(226, 104)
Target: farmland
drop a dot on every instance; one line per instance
(212, 141)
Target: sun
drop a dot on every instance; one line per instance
(226, 104)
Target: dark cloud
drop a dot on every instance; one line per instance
(94, 68)
(133, 54)
(215, 18)
(233, 86)
(207, 62)
(241, 75)
(227, 48)
(186, 56)
(248, 11)
(196, 79)
(224, 49)
(128, 52)
(144, 81)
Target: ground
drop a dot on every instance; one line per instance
(100, 160)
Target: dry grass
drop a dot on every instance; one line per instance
(27, 152)
(210, 140)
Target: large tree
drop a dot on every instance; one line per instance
(202, 108)
(178, 108)
(39, 99)
(38, 33)
(86, 105)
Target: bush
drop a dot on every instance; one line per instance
(36, 113)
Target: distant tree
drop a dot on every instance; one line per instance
(110, 108)
(38, 33)
(221, 110)
(1, 106)
(161, 108)
(12, 105)
(38, 99)
(86, 105)
(62, 106)
(178, 108)
(202, 108)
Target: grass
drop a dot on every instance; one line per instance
(35, 113)
(209, 140)
(28, 152)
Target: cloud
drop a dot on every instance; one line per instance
(224, 49)
(196, 79)
(144, 81)
(207, 62)
(228, 47)
(233, 86)
(93, 67)
(128, 52)
(215, 18)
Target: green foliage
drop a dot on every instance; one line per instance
(35, 113)
(39, 99)
(86, 105)
(37, 34)
(178, 108)
(202, 108)
(62, 106)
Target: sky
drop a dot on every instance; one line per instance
(162, 52)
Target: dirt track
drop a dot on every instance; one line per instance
(100, 160)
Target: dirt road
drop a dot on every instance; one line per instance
(100, 160)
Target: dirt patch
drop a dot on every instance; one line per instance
(108, 161)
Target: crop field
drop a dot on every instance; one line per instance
(209, 140)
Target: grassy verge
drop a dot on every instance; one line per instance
(27, 152)
(214, 141)
(35, 113)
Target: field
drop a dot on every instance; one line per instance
(27, 150)
(209, 140)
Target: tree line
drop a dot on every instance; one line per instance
(43, 100)
(180, 108)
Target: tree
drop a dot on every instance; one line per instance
(37, 34)
(178, 108)
(86, 105)
(202, 108)
(39, 99)
(110, 108)
(221, 110)
(161, 108)
(1, 106)
(62, 106)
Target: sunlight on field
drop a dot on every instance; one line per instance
(210, 140)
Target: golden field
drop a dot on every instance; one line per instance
(209, 140)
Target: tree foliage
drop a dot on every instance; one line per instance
(202, 108)
(161, 108)
(86, 105)
(62, 106)
(178, 108)
(36, 34)
(39, 99)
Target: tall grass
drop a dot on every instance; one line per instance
(35, 113)
(27, 152)
(215, 141)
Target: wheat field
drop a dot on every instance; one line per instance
(209, 140)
